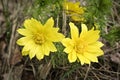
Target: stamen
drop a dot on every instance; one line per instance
(39, 38)
(80, 47)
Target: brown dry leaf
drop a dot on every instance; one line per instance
(3, 45)
(115, 58)
(5, 76)
(16, 57)
(44, 71)
(14, 74)
(17, 72)
(2, 21)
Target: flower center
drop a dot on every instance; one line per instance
(80, 47)
(39, 38)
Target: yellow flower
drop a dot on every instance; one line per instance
(84, 47)
(74, 10)
(38, 38)
(77, 18)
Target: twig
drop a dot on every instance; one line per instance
(57, 21)
(87, 73)
(95, 75)
(64, 23)
(118, 72)
(11, 41)
(116, 13)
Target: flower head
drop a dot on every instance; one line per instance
(74, 10)
(38, 38)
(84, 47)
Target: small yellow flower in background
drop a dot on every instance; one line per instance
(84, 46)
(74, 10)
(38, 38)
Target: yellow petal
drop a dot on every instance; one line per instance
(77, 4)
(49, 23)
(95, 47)
(84, 30)
(52, 47)
(24, 32)
(27, 47)
(92, 36)
(97, 44)
(53, 35)
(97, 53)
(72, 57)
(81, 10)
(49, 31)
(47, 48)
(22, 41)
(58, 37)
(40, 53)
(83, 59)
(25, 52)
(73, 7)
(67, 42)
(32, 25)
(74, 31)
(91, 57)
(77, 18)
(33, 51)
(68, 49)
